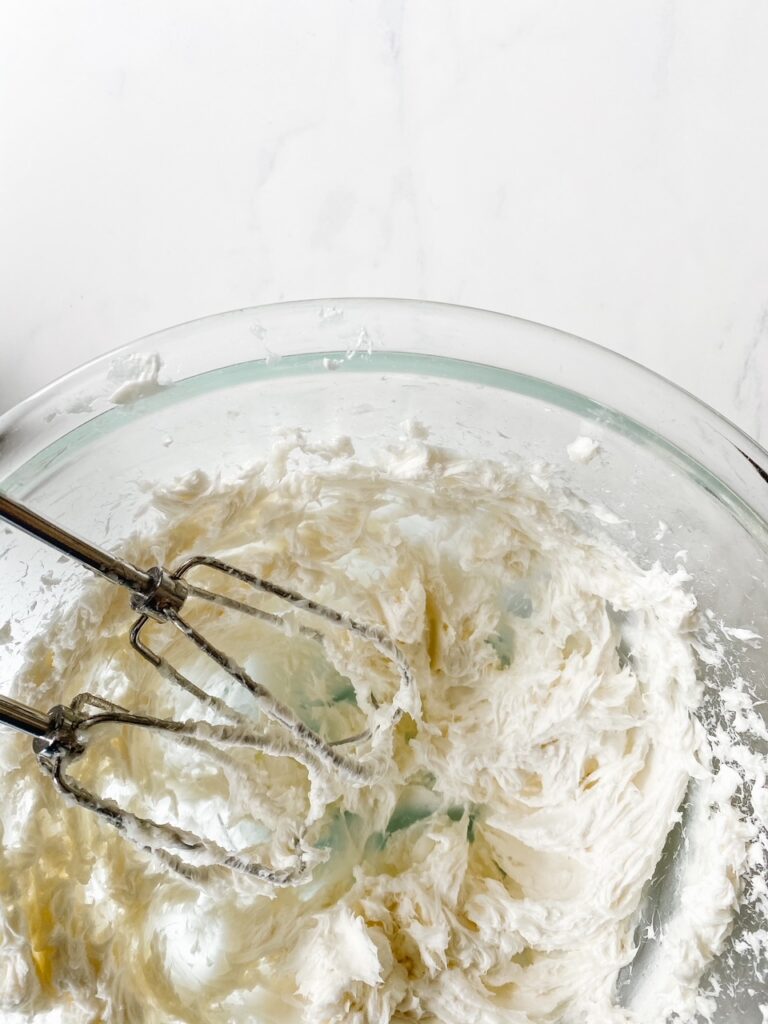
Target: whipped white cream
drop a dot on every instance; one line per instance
(496, 870)
(583, 449)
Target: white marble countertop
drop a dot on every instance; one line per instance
(600, 166)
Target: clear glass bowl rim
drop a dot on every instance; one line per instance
(732, 462)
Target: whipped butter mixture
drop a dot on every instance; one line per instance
(494, 870)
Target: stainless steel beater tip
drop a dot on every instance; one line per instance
(62, 736)
(316, 751)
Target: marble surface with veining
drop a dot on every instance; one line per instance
(598, 166)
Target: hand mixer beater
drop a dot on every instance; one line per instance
(62, 734)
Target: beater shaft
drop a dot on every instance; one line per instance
(116, 570)
(24, 718)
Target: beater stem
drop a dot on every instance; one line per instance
(116, 570)
(24, 718)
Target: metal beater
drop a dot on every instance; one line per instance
(62, 734)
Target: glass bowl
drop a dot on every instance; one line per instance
(685, 485)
